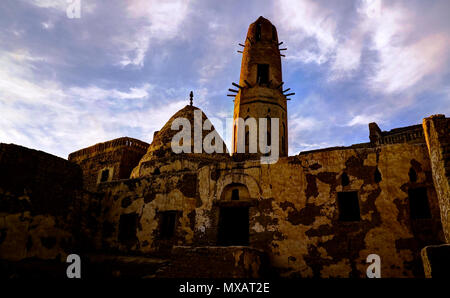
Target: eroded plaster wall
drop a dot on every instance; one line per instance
(437, 135)
(293, 211)
(37, 196)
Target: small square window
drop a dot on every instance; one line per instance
(418, 203)
(235, 195)
(263, 74)
(105, 176)
(167, 224)
(258, 32)
(348, 206)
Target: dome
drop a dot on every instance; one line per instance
(161, 147)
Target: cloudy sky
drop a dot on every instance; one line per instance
(126, 66)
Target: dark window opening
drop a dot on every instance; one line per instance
(105, 176)
(247, 138)
(233, 226)
(263, 74)
(156, 171)
(258, 32)
(235, 195)
(344, 179)
(377, 176)
(412, 175)
(167, 225)
(274, 33)
(348, 206)
(418, 203)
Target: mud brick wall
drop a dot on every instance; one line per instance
(437, 133)
(310, 239)
(215, 262)
(293, 209)
(119, 156)
(37, 192)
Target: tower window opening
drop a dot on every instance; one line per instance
(274, 33)
(263, 74)
(235, 195)
(348, 206)
(258, 32)
(418, 203)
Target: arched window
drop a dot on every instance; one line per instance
(263, 74)
(344, 179)
(258, 32)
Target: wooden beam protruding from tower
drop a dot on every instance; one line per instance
(233, 90)
(279, 44)
(248, 84)
(286, 90)
(278, 87)
(289, 94)
(242, 45)
(236, 85)
(283, 49)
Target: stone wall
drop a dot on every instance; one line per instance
(293, 209)
(409, 134)
(37, 196)
(118, 157)
(437, 133)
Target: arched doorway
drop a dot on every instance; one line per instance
(233, 228)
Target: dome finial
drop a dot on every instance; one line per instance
(191, 97)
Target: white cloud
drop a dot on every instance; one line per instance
(161, 21)
(87, 6)
(97, 93)
(46, 116)
(47, 25)
(300, 20)
(391, 30)
(364, 119)
(402, 67)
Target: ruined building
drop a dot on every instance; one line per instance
(315, 214)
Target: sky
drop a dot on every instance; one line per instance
(126, 66)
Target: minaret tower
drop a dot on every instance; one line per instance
(259, 93)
